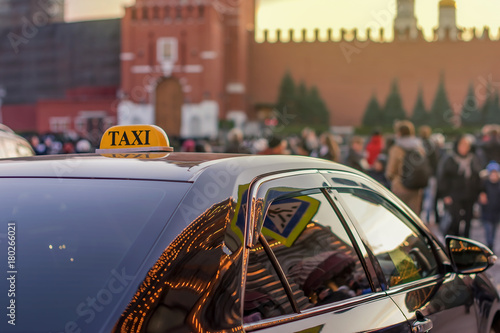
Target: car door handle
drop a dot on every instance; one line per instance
(422, 326)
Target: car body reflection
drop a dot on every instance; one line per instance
(194, 283)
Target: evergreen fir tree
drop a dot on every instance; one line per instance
(319, 114)
(393, 109)
(441, 112)
(286, 97)
(302, 104)
(496, 103)
(493, 111)
(373, 113)
(486, 108)
(470, 115)
(420, 115)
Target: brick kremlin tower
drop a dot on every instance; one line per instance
(448, 29)
(405, 23)
(184, 63)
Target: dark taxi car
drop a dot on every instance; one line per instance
(134, 241)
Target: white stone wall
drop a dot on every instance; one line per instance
(200, 120)
(130, 113)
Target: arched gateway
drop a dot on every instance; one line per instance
(168, 105)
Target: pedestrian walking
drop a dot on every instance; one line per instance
(38, 146)
(276, 146)
(489, 199)
(439, 141)
(459, 184)
(432, 154)
(377, 171)
(235, 142)
(404, 165)
(374, 147)
(490, 145)
(356, 155)
(329, 148)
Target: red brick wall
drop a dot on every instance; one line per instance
(195, 35)
(347, 74)
(347, 83)
(222, 30)
(20, 118)
(69, 108)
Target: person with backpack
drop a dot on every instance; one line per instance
(459, 184)
(407, 167)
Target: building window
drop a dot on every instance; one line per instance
(145, 14)
(80, 125)
(88, 121)
(178, 12)
(190, 11)
(201, 11)
(167, 50)
(167, 12)
(134, 13)
(156, 12)
(59, 124)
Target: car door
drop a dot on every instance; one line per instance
(304, 270)
(415, 273)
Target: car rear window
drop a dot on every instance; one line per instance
(78, 243)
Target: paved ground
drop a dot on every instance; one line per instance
(477, 233)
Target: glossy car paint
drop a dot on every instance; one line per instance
(195, 283)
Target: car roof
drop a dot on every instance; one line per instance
(184, 167)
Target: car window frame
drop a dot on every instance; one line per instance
(255, 206)
(440, 256)
(366, 182)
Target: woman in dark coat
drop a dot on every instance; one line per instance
(459, 184)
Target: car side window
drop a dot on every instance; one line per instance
(313, 250)
(265, 296)
(402, 250)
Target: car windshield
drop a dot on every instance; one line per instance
(79, 243)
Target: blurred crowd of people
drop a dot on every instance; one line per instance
(447, 182)
(52, 144)
(461, 178)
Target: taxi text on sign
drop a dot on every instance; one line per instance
(135, 138)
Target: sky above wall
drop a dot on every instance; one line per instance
(324, 14)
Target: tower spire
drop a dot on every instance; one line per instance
(405, 23)
(448, 21)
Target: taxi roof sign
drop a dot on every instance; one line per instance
(134, 138)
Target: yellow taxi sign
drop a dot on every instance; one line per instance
(138, 156)
(134, 138)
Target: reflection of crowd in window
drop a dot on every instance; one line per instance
(402, 254)
(319, 266)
